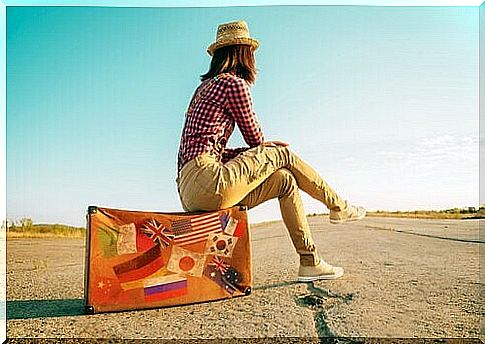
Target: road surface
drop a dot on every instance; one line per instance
(403, 278)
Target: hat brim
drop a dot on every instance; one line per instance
(232, 41)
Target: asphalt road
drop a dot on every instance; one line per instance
(403, 278)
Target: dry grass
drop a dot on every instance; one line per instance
(455, 214)
(46, 231)
(424, 215)
(15, 235)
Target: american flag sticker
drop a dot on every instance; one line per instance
(224, 217)
(195, 229)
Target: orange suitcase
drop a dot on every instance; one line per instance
(138, 260)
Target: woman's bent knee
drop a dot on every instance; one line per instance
(285, 180)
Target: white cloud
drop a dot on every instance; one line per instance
(433, 151)
(350, 162)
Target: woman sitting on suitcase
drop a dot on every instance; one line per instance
(212, 177)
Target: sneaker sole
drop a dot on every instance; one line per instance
(338, 222)
(322, 277)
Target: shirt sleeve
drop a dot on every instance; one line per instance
(240, 105)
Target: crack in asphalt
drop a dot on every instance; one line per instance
(275, 285)
(473, 241)
(320, 300)
(268, 237)
(425, 235)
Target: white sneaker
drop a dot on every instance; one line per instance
(349, 214)
(322, 271)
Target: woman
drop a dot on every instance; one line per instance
(212, 177)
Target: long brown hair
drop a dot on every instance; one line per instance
(237, 59)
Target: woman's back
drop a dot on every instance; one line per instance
(217, 104)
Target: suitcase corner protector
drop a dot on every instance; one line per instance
(92, 209)
(89, 309)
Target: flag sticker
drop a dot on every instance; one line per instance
(240, 230)
(219, 265)
(108, 239)
(224, 217)
(117, 240)
(164, 287)
(151, 279)
(223, 274)
(186, 262)
(104, 289)
(195, 229)
(126, 242)
(140, 267)
(231, 226)
(158, 233)
(221, 245)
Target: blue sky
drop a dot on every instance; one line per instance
(383, 101)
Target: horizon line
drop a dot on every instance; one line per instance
(477, 208)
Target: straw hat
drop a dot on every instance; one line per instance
(230, 34)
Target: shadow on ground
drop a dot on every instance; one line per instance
(28, 309)
(275, 285)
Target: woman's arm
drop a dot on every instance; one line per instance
(230, 153)
(240, 105)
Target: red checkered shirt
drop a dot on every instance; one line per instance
(217, 104)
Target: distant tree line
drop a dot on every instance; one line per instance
(467, 212)
(26, 225)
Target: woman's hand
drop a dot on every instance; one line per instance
(275, 144)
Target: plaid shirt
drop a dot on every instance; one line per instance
(217, 104)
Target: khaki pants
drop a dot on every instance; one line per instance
(253, 177)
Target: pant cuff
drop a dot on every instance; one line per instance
(309, 259)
